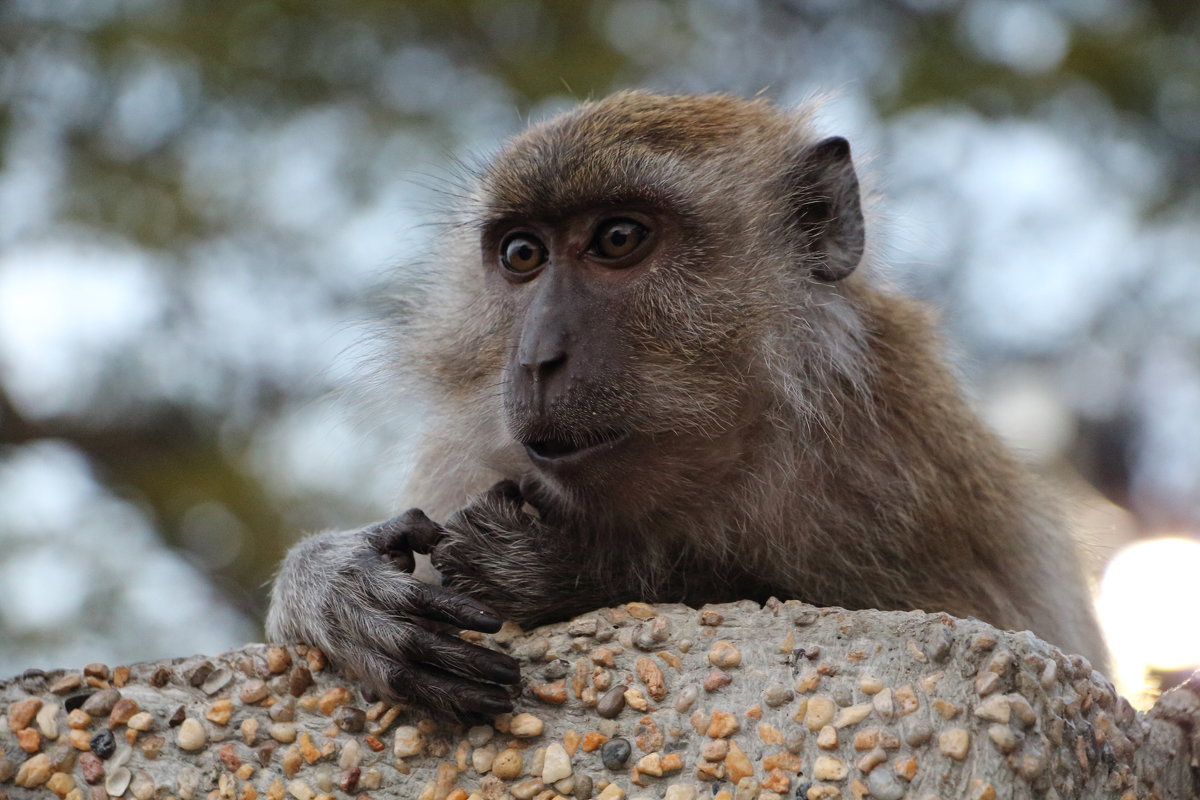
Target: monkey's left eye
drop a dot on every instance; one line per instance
(522, 253)
(617, 238)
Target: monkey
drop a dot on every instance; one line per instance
(661, 364)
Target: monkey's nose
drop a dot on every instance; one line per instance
(543, 368)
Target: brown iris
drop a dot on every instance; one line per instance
(617, 238)
(522, 253)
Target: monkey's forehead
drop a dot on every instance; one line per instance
(630, 147)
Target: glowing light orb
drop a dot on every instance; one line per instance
(1149, 607)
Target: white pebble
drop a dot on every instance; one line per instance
(117, 781)
(191, 734)
(526, 726)
(408, 741)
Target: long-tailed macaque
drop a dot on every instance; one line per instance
(654, 330)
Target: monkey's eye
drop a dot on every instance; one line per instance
(522, 253)
(617, 238)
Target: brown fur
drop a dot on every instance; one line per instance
(792, 435)
(866, 482)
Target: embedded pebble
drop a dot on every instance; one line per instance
(723, 655)
(191, 734)
(61, 783)
(556, 765)
(680, 791)
(216, 681)
(614, 753)
(141, 721)
(1003, 737)
(650, 764)
(525, 790)
(220, 712)
(526, 726)
(827, 739)
(828, 768)
(653, 633)
(583, 626)
(102, 702)
(775, 696)
(851, 715)
(142, 786)
(350, 719)
(649, 674)
(716, 680)
(612, 702)
(21, 713)
(883, 785)
(737, 764)
(954, 742)
(409, 741)
(283, 732)
(508, 764)
(34, 772)
(611, 792)
(479, 735)
(820, 712)
(986, 683)
(117, 781)
(103, 744)
(278, 660)
(994, 709)
(687, 696)
(91, 767)
(884, 705)
(721, 725)
(482, 758)
(870, 685)
(252, 691)
(919, 733)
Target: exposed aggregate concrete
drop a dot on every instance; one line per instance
(732, 702)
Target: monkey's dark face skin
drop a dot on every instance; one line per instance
(574, 287)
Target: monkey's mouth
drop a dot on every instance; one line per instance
(559, 449)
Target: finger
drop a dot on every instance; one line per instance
(423, 533)
(404, 533)
(405, 681)
(446, 605)
(536, 494)
(433, 688)
(451, 654)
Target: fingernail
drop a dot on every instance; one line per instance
(497, 705)
(487, 622)
(508, 673)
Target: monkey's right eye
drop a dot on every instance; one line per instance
(522, 253)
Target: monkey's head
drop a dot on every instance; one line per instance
(649, 263)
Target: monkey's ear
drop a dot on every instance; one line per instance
(824, 189)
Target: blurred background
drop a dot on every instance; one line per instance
(199, 203)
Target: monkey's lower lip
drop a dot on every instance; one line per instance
(560, 450)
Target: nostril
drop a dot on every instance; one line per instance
(545, 367)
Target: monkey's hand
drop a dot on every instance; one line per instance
(353, 595)
(495, 551)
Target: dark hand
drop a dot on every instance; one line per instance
(497, 552)
(354, 596)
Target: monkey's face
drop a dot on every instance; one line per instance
(642, 258)
(627, 351)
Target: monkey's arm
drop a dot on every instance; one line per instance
(352, 594)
